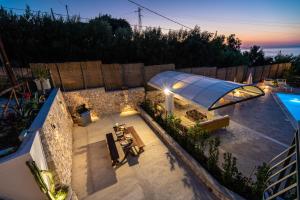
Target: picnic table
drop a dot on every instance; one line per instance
(136, 140)
(129, 140)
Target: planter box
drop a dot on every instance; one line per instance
(217, 189)
(43, 84)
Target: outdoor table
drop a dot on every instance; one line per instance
(129, 135)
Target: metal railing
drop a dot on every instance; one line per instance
(283, 182)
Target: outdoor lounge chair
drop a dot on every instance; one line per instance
(282, 84)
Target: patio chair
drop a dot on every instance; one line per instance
(282, 84)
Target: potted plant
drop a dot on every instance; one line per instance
(41, 80)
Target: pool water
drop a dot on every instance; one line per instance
(292, 103)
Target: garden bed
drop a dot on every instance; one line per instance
(16, 120)
(199, 147)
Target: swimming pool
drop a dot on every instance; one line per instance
(292, 103)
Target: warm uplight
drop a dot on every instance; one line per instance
(126, 108)
(94, 117)
(128, 113)
(166, 91)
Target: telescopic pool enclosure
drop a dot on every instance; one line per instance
(209, 93)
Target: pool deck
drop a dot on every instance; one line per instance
(258, 130)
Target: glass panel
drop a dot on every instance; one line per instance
(182, 76)
(191, 79)
(189, 92)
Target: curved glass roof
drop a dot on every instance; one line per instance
(209, 93)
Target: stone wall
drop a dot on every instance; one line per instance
(102, 102)
(56, 137)
(156, 96)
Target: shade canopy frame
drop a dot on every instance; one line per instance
(209, 93)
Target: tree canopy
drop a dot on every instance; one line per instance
(38, 37)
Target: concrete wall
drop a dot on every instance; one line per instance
(17, 182)
(102, 102)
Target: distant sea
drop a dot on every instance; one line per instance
(272, 52)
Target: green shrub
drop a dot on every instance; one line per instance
(147, 105)
(230, 170)
(262, 174)
(213, 158)
(197, 138)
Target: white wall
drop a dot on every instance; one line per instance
(37, 153)
(17, 182)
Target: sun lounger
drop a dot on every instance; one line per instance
(282, 84)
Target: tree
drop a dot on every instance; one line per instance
(37, 37)
(256, 56)
(233, 43)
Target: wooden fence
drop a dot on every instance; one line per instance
(91, 74)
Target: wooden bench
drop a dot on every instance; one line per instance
(136, 138)
(114, 155)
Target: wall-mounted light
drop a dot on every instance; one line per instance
(166, 91)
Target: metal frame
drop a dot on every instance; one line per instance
(283, 167)
(234, 102)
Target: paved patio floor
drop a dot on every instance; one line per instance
(258, 131)
(155, 174)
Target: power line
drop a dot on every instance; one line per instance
(85, 18)
(154, 12)
(133, 25)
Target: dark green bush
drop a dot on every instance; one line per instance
(213, 157)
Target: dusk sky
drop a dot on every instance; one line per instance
(261, 22)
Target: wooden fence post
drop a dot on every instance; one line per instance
(269, 71)
(226, 73)
(276, 75)
(83, 76)
(60, 79)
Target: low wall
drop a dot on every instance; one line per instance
(102, 102)
(217, 189)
